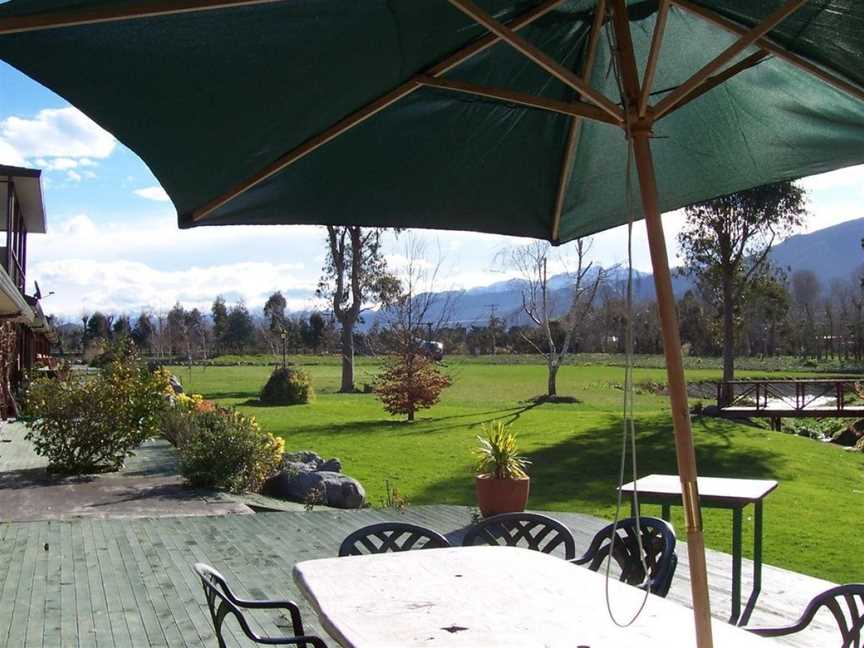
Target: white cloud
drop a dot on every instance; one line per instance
(57, 133)
(129, 286)
(150, 263)
(9, 155)
(152, 193)
(79, 225)
(848, 178)
(74, 176)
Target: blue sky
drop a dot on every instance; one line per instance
(113, 243)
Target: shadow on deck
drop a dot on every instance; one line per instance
(128, 582)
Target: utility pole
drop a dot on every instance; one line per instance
(492, 308)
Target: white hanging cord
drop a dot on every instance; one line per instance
(629, 426)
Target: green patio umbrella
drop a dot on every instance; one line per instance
(507, 116)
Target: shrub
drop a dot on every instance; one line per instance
(287, 387)
(410, 383)
(91, 424)
(226, 450)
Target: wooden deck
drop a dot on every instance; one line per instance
(128, 582)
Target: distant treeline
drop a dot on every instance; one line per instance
(797, 316)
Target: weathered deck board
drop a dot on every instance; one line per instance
(129, 582)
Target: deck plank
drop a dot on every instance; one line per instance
(129, 582)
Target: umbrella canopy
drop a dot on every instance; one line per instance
(211, 99)
(503, 117)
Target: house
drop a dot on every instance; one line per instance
(25, 333)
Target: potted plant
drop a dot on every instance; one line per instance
(501, 482)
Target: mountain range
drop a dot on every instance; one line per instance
(832, 253)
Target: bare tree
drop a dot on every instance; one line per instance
(538, 301)
(417, 309)
(806, 291)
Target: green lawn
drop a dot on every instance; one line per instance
(811, 521)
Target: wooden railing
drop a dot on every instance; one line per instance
(790, 395)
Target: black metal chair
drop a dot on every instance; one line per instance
(658, 544)
(529, 530)
(391, 536)
(849, 617)
(222, 602)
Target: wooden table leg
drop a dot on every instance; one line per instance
(757, 547)
(736, 565)
(666, 512)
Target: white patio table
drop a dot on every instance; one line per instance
(489, 596)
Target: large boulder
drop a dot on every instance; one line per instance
(317, 487)
(307, 478)
(850, 436)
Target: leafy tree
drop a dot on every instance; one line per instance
(274, 311)
(122, 327)
(354, 278)
(239, 329)
(177, 333)
(314, 332)
(219, 313)
(142, 332)
(97, 327)
(196, 332)
(725, 243)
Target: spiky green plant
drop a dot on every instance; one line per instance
(498, 454)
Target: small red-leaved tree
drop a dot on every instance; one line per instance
(410, 382)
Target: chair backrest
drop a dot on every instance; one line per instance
(221, 602)
(391, 536)
(658, 549)
(846, 604)
(528, 530)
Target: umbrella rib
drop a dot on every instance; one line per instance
(577, 109)
(778, 51)
(747, 39)
(711, 83)
(653, 56)
(369, 110)
(576, 124)
(95, 15)
(534, 54)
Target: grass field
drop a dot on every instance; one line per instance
(812, 522)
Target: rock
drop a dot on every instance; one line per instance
(848, 437)
(176, 385)
(341, 490)
(318, 487)
(295, 467)
(710, 410)
(305, 457)
(331, 465)
(307, 478)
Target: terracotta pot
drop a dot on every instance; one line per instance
(496, 496)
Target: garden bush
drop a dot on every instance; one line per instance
(224, 449)
(287, 387)
(85, 424)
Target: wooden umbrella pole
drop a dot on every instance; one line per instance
(638, 129)
(677, 389)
